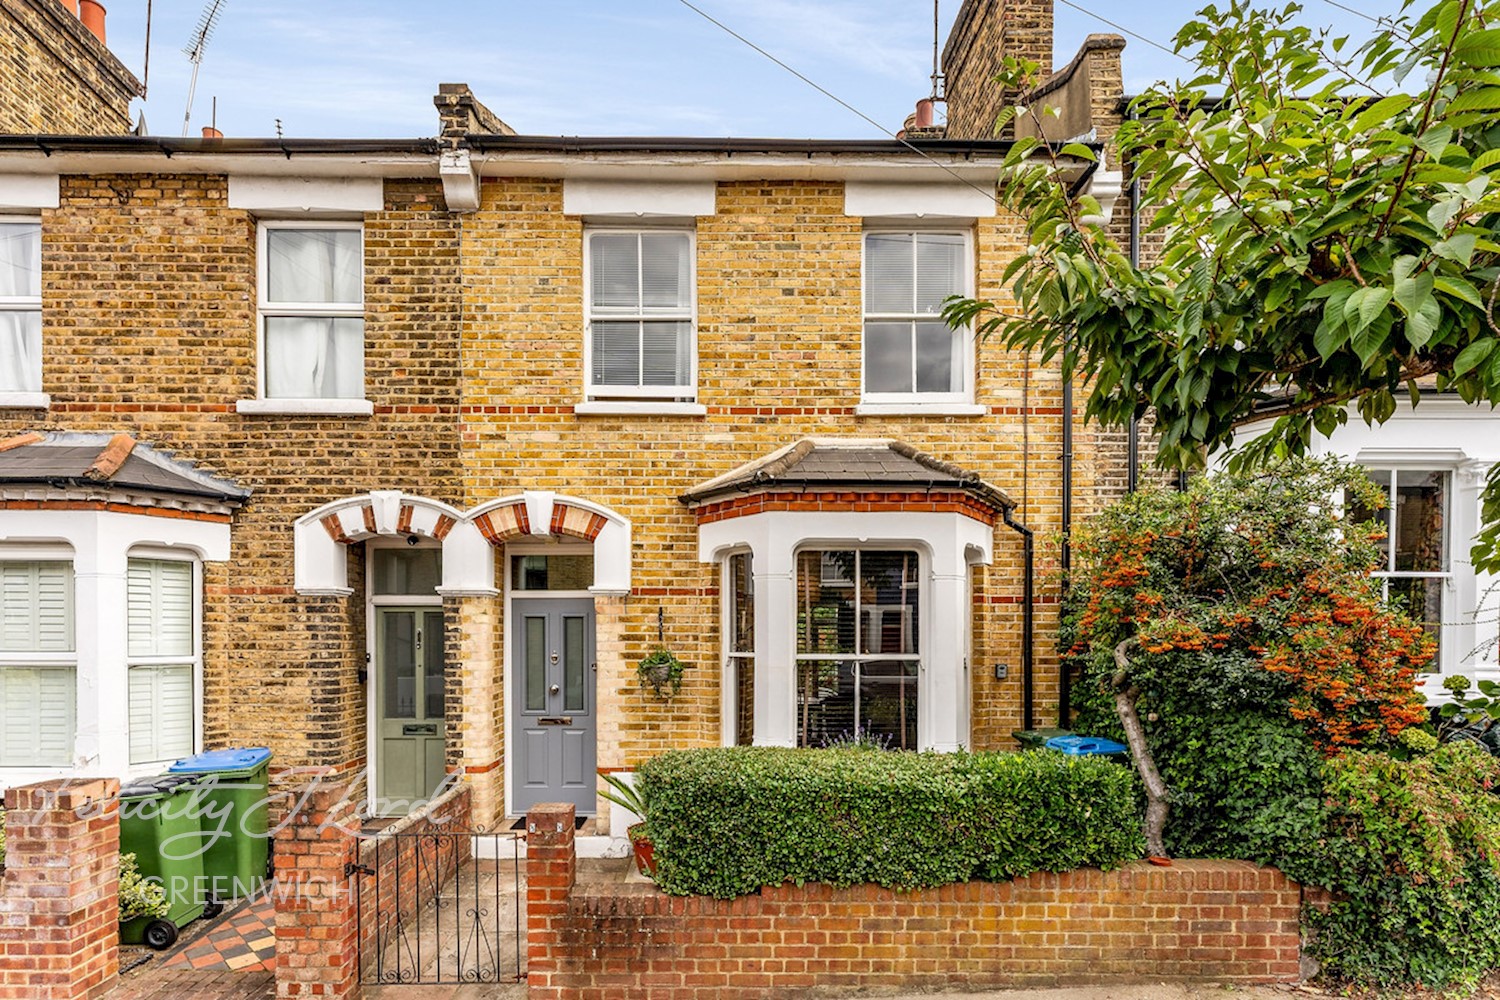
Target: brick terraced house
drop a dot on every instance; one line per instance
(399, 455)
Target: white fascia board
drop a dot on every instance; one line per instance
(638, 198)
(918, 200)
(28, 192)
(291, 195)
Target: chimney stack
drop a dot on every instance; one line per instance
(91, 13)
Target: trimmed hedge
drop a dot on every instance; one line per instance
(728, 821)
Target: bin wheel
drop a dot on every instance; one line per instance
(161, 934)
(212, 909)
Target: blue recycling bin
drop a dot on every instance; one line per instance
(1089, 746)
(231, 788)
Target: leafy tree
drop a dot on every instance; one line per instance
(1322, 243)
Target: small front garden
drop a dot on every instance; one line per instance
(1233, 636)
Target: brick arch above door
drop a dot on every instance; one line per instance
(468, 538)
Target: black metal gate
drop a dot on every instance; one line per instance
(440, 908)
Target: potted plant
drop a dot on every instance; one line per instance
(634, 797)
(661, 672)
(143, 907)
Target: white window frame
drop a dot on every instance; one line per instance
(957, 403)
(47, 660)
(26, 304)
(1444, 626)
(194, 662)
(647, 397)
(734, 661)
(923, 612)
(265, 308)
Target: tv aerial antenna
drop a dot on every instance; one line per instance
(194, 50)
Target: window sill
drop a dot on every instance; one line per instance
(24, 401)
(600, 408)
(916, 409)
(306, 407)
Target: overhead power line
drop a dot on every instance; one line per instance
(837, 100)
(1121, 28)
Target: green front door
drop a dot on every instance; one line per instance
(408, 707)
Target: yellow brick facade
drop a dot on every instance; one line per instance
(57, 77)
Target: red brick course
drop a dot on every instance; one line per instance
(59, 891)
(1227, 921)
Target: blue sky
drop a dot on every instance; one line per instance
(337, 68)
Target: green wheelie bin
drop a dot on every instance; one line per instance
(230, 792)
(159, 825)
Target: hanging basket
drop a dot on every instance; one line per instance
(661, 673)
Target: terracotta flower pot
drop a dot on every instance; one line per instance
(645, 851)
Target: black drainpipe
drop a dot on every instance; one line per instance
(1133, 442)
(1065, 558)
(1028, 627)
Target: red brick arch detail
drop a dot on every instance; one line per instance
(504, 523)
(576, 521)
(335, 528)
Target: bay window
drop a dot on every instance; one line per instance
(858, 632)
(38, 663)
(910, 353)
(20, 305)
(739, 624)
(312, 310)
(163, 658)
(639, 341)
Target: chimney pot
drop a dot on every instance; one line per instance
(209, 132)
(91, 12)
(924, 113)
(71, 6)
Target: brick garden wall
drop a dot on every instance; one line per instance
(59, 891)
(1224, 921)
(57, 77)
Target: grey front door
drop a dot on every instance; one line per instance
(408, 706)
(552, 702)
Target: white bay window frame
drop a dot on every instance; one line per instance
(100, 545)
(269, 309)
(959, 401)
(948, 544)
(649, 396)
(148, 747)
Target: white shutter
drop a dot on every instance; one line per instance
(160, 607)
(37, 713)
(36, 607)
(161, 712)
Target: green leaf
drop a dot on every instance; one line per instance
(1080, 151)
(1487, 159)
(1479, 48)
(1371, 302)
(1459, 248)
(1459, 289)
(1470, 357)
(1381, 111)
(1435, 140)
(1422, 324)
